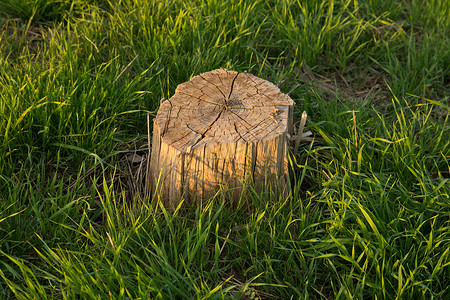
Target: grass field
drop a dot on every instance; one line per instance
(369, 213)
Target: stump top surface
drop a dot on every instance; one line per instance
(222, 107)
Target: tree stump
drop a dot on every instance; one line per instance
(221, 129)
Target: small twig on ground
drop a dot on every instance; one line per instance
(354, 126)
(221, 248)
(95, 46)
(300, 131)
(296, 86)
(344, 80)
(125, 69)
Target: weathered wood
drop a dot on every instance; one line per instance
(221, 129)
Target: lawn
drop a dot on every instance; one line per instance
(368, 216)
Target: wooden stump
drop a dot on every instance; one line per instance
(222, 129)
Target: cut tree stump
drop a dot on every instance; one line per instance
(221, 129)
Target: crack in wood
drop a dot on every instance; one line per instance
(224, 97)
(213, 122)
(240, 136)
(232, 85)
(183, 92)
(166, 125)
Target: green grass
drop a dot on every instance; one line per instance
(369, 213)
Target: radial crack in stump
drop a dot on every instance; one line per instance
(221, 129)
